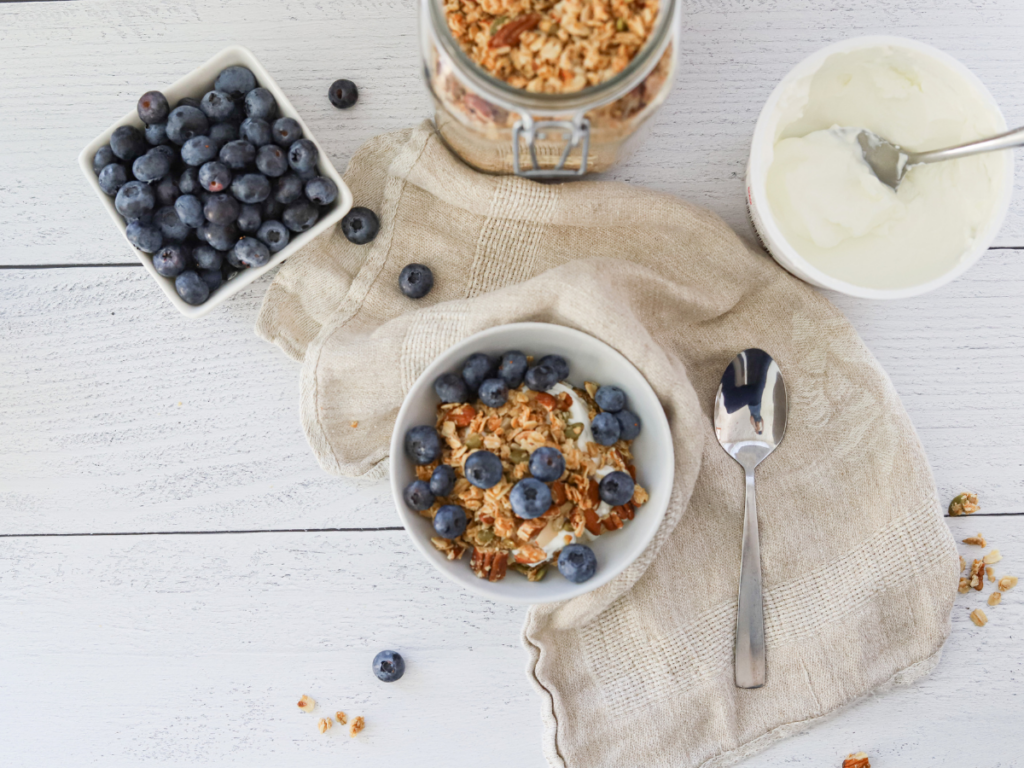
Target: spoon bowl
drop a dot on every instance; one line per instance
(751, 411)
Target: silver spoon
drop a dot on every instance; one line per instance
(890, 163)
(750, 420)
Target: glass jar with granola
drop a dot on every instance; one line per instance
(546, 88)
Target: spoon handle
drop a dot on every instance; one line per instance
(1014, 138)
(749, 659)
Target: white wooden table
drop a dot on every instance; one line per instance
(175, 570)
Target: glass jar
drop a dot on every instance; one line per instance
(497, 128)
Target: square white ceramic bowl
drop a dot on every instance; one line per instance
(589, 360)
(195, 84)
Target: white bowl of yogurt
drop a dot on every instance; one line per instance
(589, 360)
(813, 201)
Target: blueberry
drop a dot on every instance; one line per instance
(450, 388)
(512, 368)
(493, 392)
(388, 666)
(249, 219)
(221, 133)
(221, 208)
(251, 188)
(274, 235)
(145, 237)
(606, 428)
(170, 225)
(541, 378)
(198, 150)
(188, 182)
(530, 498)
(128, 143)
(112, 178)
(237, 154)
(417, 496)
(171, 260)
(321, 190)
(558, 364)
(221, 237)
(442, 481)
(271, 210)
(151, 166)
(190, 210)
(171, 154)
(256, 131)
(232, 260)
(192, 288)
(259, 102)
(104, 156)
(423, 445)
(476, 369)
(415, 280)
(188, 101)
(156, 134)
(483, 469)
(300, 216)
(212, 277)
(235, 81)
(360, 225)
(153, 107)
(167, 191)
(271, 160)
(450, 521)
(547, 464)
(616, 488)
(302, 156)
(134, 199)
(309, 175)
(185, 122)
(287, 189)
(611, 399)
(217, 106)
(207, 258)
(343, 93)
(577, 563)
(630, 425)
(251, 252)
(285, 131)
(214, 176)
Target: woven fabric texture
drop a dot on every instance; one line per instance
(859, 568)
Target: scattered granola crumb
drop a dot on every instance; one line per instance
(324, 724)
(357, 725)
(1007, 583)
(978, 617)
(354, 424)
(857, 760)
(306, 704)
(990, 573)
(977, 540)
(992, 557)
(965, 586)
(963, 563)
(964, 504)
(342, 717)
(978, 575)
(994, 598)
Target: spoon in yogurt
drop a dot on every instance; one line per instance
(890, 163)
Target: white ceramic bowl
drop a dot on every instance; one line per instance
(196, 84)
(761, 152)
(589, 360)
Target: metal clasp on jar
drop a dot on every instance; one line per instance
(575, 132)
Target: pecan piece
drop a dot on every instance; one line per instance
(613, 522)
(593, 522)
(462, 416)
(510, 32)
(625, 512)
(558, 493)
(856, 760)
(489, 565)
(546, 401)
(564, 401)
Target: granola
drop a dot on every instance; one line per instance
(551, 46)
(500, 540)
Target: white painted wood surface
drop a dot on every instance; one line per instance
(118, 416)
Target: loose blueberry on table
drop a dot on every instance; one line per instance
(415, 280)
(521, 467)
(195, 186)
(388, 666)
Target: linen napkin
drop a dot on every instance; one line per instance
(859, 568)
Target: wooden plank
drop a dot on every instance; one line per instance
(120, 415)
(731, 55)
(193, 649)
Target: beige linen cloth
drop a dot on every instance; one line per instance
(860, 570)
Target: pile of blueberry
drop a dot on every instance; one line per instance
(214, 185)
(491, 380)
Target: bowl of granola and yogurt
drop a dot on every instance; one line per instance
(531, 463)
